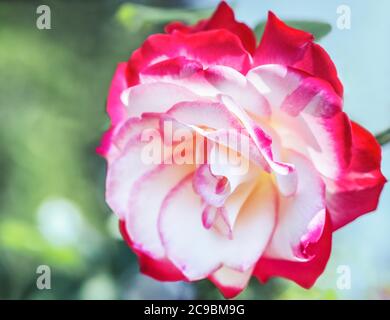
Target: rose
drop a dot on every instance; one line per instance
(309, 169)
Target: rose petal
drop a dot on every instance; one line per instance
(232, 83)
(115, 109)
(206, 185)
(287, 46)
(177, 68)
(159, 269)
(210, 82)
(230, 282)
(304, 273)
(145, 199)
(281, 44)
(223, 18)
(297, 213)
(204, 113)
(307, 115)
(208, 48)
(155, 97)
(128, 165)
(357, 191)
(260, 138)
(180, 224)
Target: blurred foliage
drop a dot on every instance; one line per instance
(53, 87)
(317, 29)
(52, 97)
(136, 17)
(294, 292)
(383, 137)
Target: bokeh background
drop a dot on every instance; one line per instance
(53, 86)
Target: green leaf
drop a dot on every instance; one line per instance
(259, 30)
(318, 29)
(19, 236)
(136, 16)
(383, 137)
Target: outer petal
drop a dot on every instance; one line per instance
(159, 269)
(177, 68)
(333, 136)
(223, 18)
(294, 91)
(357, 191)
(304, 273)
(182, 72)
(287, 46)
(129, 165)
(318, 63)
(115, 109)
(304, 225)
(281, 44)
(208, 48)
(129, 133)
(230, 282)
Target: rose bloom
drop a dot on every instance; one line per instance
(309, 169)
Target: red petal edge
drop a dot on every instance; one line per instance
(282, 44)
(358, 189)
(222, 18)
(162, 270)
(303, 273)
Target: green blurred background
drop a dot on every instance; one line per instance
(53, 86)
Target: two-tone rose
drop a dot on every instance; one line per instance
(309, 169)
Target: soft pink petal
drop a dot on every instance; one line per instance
(208, 186)
(307, 114)
(204, 113)
(238, 141)
(294, 91)
(155, 97)
(297, 214)
(332, 154)
(232, 83)
(145, 199)
(262, 141)
(128, 164)
(209, 82)
(181, 223)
